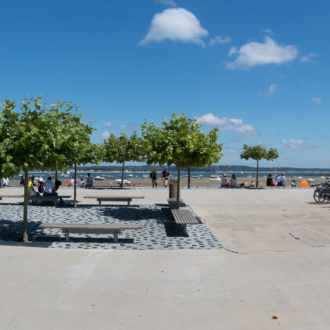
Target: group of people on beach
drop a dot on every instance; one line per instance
(165, 176)
(277, 181)
(232, 183)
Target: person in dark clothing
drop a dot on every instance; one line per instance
(270, 182)
(22, 182)
(153, 176)
(165, 176)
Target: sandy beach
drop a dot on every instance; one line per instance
(204, 182)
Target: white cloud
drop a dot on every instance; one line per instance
(219, 40)
(268, 31)
(107, 124)
(166, 2)
(225, 124)
(230, 151)
(105, 135)
(316, 100)
(176, 24)
(271, 91)
(309, 58)
(255, 53)
(232, 51)
(297, 144)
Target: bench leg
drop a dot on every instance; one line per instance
(115, 237)
(67, 235)
(185, 229)
(128, 203)
(99, 202)
(55, 202)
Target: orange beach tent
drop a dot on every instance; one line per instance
(304, 183)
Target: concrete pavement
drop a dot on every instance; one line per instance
(277, 263)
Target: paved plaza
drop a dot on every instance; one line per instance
(158, 232)
(274, 261)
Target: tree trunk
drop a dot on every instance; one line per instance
(178, 188)
(122, 175)
(188, 177)
(257, 174)
(75, 186)
(26, 201)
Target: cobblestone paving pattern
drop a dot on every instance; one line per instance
(158, 232)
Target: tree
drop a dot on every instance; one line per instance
(180, 142)
(42, 138)
(258, 153)
(123, 149)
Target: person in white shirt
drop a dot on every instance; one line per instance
(89, 182)
(5, 182)
(50, 188)
(72, 182)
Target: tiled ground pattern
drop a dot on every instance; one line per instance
(158, 232)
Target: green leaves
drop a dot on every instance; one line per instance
(258, 152)
(180, 141)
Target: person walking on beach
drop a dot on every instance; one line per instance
(22, 182)
(90, 182)
(153, 176)
(270, 181)
(282, 181)
(233, 183)
(165, 176)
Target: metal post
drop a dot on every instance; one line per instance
(115, 237)
(67, 235)
(99, 202)
(188, 177)
(128, 203)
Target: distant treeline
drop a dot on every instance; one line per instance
(213, 168)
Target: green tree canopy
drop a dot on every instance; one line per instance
(123, 149)
(42, 138)
(258, 153)
(181, 142)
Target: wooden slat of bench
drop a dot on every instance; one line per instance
(100, 227)
(48, 197)
(12, 196)
(184, 217)
(116, 198)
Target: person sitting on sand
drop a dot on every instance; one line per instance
(282, 180)
(233, 183)
(141, 185)
(82, 183)
(72, 182)
(245, 184)
(224, 181)
(270, 182)
(277, 179)
(252, 184)
(89, 180)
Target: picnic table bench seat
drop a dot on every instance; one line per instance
(184, 218)
(77, 228)
(37, 198)
(172, 202)
(127, 199)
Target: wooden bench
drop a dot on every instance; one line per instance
(127, 199)
(172, 202)
(53, 199)
(76, 228)
(184, 218)
(37, 198)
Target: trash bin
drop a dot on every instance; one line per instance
(174, 189)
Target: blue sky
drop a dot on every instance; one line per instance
(258, 69)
